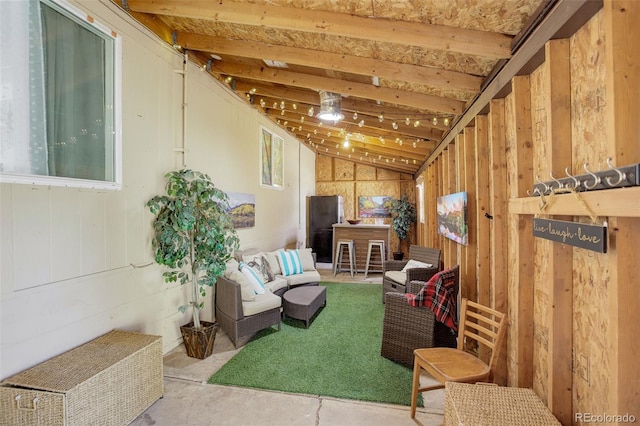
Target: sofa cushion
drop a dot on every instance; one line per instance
(231, 266)
(262, 303)
(254, 279)
(306, 258)
(303, 278)
(278, 283)
(397, 276)
(416, 264)
(290, 262)
(259, 264)
(272, 258)
(246, 289)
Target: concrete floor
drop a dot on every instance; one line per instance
(189, 400)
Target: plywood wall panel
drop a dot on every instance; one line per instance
(384, 174)
(364, 172)
(344, 169)
(324, 168)
(591, 276)
(346, 189)
(541, 165)
(623, 85)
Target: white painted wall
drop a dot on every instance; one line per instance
(66, 255)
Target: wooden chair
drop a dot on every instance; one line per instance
(478, 324)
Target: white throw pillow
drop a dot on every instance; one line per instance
(246, 289)
(260, 264)
(290, 262)
(306, 258)
(415, 264)
(254, 279)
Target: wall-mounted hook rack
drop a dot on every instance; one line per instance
(613, 177)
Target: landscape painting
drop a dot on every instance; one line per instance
(452, 217)
(242, 209)
(374, 206)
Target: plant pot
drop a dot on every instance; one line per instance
(398, 255)
(199, 343)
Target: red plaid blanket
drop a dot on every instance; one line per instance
(438, 294)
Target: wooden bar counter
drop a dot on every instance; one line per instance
(360, 234)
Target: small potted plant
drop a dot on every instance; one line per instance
(194, 237)
(404, 215)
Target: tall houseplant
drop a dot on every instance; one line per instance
(404, 215)
(194, 237)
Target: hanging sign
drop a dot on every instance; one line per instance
(590, 237)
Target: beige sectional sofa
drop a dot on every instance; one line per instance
(248, 296)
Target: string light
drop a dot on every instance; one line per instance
(311, 112)
(381, 118)
(394, 125)
(416, 123)
(361, 123)
(295, 106)
(262, 103)
(407, 121)
(446, 121)
(355, 115)
(282, 105)
(435, 121)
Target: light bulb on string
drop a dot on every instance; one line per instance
(394, 125)
(355, 115)
(446, 121)
(361, 123)
(435, 121)
(311, 112)
(294, 106)
(416, 123)
(282, 105)
(381, 118)
(407, 121)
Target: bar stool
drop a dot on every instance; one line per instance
(350, 246)
(380, 245)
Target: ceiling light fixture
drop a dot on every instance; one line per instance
(330, 106)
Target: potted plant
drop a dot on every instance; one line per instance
(194, 237)
(404, 214)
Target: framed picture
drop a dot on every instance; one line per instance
(271, 159)
(452, 217)
(374, 206)
(243, 209)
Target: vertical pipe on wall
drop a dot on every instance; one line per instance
(183, 143)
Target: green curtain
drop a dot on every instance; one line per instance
(74, 63)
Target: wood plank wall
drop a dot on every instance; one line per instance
(572, 312)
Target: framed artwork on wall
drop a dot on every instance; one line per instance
(452, 217)
(243, 209)
(271, 159)
(374, 206)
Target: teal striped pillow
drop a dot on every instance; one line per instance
(290, 262)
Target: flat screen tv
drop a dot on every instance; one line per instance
(452, 217)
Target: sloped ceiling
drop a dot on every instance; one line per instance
(406, 70)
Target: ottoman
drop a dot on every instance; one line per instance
(303, 302)
(488, 404)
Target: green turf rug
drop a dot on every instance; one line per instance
(337, 356)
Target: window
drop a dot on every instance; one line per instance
(420, 185)
(59, 97)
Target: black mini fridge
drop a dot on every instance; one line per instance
(323, 212)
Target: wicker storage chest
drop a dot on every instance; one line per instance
(491, 405)
(107, 381)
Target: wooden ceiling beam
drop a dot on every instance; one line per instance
(391, 150)
(368, 161)
(371, 126)
(390, 112)
(346, 88)
(432, 76)
(439, 37)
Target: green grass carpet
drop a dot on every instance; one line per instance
(337, 356)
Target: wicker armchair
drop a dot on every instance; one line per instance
(230, 315)
(396, 282)
(407, 327)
